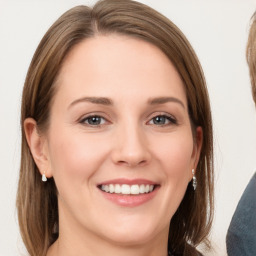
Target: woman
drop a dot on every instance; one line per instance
(116, 137)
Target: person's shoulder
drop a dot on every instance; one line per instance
(241, 235)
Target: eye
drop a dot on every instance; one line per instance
(162, 120)
(93, 120)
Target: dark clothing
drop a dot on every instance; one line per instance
(241, 236)
(173, 254)
(198, 254)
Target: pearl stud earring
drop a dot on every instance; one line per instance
(44, 179)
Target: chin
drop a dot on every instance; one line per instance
(133, 233)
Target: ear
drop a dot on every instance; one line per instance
(198, 142)
(38, 147)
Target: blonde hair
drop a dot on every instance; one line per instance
(36, 201)
(251, 55)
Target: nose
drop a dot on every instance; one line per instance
(131, 147)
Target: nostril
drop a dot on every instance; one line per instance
(143, 162)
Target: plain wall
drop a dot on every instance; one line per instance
(217, 29)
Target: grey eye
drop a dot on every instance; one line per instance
(93, 120)
(160, 120)
(163, 120)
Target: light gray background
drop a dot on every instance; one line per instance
(218, 31)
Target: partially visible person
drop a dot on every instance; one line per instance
(241, 236)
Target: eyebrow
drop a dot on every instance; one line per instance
(163, 100)
(108, 102)
(94, 100)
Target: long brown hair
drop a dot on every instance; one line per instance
(36, 201)
(251, 55)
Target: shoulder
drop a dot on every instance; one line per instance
(246, 208)
(241, 236)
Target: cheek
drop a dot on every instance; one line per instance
(176, 156)
(76, 156)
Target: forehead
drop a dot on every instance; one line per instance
(116, 65)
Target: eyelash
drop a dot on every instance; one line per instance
(171, 120)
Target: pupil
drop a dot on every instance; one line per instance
(94, 120)
(159, 120)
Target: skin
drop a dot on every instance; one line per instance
(128, 142)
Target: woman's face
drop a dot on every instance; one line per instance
(119, 145)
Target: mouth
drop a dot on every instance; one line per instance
(126, 189)
(129, 193)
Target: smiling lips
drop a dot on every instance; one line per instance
(129, 193)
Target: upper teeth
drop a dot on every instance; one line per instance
(127, 189)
